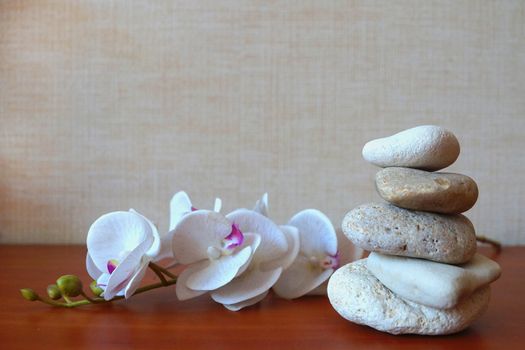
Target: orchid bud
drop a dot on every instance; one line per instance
(29, 294)
(96, 289)
(69, 285)
(53, 292)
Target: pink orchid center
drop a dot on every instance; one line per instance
(233, 240)
(330, 261)
(229, 243)
(112, 265)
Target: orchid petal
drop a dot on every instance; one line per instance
(135, 281)
(180, 205)
(196, 232)
(91, 268)
(292, 238)
(300, 278)
(261, 206)
(111, 265)
(273, 243)
(219, 271)
(102, 280)
(115, 234)
(121, 276)
(252, 240)
(246, 303)
(182, 291)
(153, 251)
(320, 290)
(348, 252)
(316, 231)
(217, 205)
(246, 286)
(166, 249)
(234, 239)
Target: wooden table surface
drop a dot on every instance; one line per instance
(157, 320)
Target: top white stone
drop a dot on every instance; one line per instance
(426, 147)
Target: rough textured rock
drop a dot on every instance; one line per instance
(427, 147)
(387, 229)
(446, 193)
(359, 297)
(430, 283)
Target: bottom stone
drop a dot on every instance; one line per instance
(359, 297)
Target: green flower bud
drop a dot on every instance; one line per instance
(96, 289)
(29, 294)
(53, 292)
(69, 285)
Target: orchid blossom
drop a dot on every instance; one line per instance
(317, 259)
(120, 246)
(237, 258)
(267, 264)
(215, 250)
(292, 239)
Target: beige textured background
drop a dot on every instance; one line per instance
(106, 105)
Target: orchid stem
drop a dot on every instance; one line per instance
(159, 271)
(165, 271)
(92, 300)
(88, 301)
(155, 268)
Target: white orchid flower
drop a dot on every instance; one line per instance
(214, 247)
(292, 239)
(120, 246)
(317, 259)
(266, 265)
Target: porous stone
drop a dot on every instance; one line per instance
(385, 228)
(361, 298)
(431, 283)
(427, 147)
(445, 193)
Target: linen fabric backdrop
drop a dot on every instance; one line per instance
(111, 105)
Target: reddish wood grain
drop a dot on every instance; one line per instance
(157, 320)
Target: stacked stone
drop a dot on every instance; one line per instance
(423, 275)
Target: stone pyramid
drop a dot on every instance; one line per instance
(423, 275)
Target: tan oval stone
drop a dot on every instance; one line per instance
(361, 298)
(385, 228)
(446, 193)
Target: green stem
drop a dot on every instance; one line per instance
(89, 300)
(164, 270)
(155, 268)
(152, 286)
